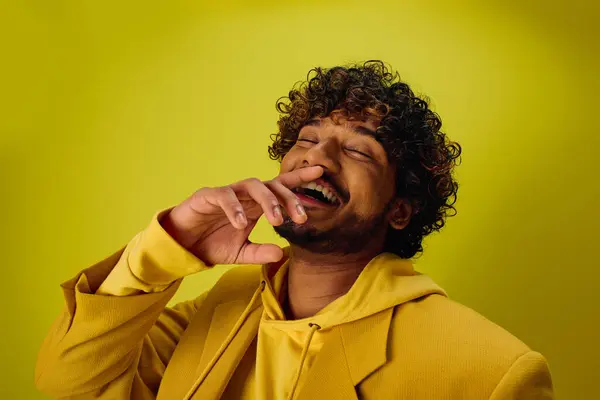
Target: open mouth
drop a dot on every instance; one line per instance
(319, 194)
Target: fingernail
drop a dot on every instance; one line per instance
(240, 218)
(300, 209)
(277, 211)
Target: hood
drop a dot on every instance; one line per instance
(385, 282)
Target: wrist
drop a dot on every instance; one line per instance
(168, 223)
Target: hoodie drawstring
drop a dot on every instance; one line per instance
(313, 329)
(226, 343)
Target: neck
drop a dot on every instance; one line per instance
(315, 280)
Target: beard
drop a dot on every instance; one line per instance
(350, 236)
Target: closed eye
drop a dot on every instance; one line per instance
(359, 152)
(350, 149)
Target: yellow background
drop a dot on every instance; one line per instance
(111, 110)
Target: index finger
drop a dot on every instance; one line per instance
(300, 176)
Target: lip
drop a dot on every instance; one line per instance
(309, 202)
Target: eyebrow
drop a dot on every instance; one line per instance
(358, 129)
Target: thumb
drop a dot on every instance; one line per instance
(254, 253)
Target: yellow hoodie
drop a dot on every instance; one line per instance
(393, 335)
(286, 349)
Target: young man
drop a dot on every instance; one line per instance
(365, 174)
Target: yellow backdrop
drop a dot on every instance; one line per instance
(111, 110)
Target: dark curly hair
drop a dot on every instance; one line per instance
(409, 132)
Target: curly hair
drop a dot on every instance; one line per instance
(409, 131)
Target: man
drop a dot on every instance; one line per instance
(365, 174)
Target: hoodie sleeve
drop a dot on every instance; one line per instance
(115, 337)
(528, 378)
(154, 261)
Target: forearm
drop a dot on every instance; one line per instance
(96, 338)
(152, 261)
(110, 309)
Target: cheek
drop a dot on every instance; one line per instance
(372, 190)
(385, 190)
(363, 191)
(287, 163)
(384, 183)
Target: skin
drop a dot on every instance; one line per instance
(358, 165)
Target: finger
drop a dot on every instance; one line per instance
(289, 200)
(300, 176)
(227, 200)
(262, 195)
(254, 253)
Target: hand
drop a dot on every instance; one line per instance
(214, 223)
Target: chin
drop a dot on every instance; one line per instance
(348, 238)
(294, 232)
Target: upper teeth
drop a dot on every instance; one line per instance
(329, 195)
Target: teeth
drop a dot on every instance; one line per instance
(326, 192)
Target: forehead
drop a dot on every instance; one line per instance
(367, 127)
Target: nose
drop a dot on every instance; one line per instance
(324, 154)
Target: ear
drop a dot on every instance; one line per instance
(399, 214)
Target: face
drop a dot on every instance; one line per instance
(350, 205)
